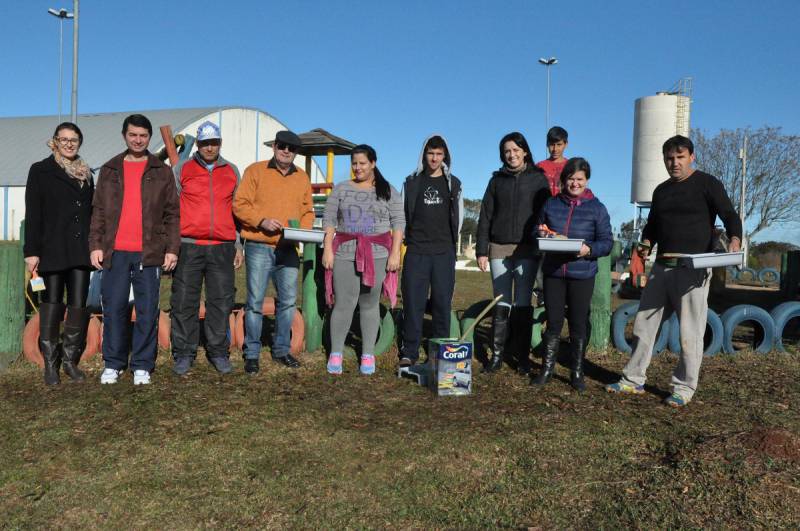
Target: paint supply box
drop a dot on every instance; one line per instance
(451, 366)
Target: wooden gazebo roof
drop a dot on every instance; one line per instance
(319, 142)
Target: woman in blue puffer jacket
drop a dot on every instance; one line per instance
(569, 278)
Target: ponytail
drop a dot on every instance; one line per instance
(382, 189)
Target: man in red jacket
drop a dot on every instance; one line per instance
(210, 250)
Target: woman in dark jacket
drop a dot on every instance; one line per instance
(58, 209)
(569, 279)
(506, 244)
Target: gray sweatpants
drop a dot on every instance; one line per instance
(685, 292)
(348, 292)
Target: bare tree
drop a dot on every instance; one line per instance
(772, 195)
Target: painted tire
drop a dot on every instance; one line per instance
(30, 340)
(165, 328)
(713, 323)
(385, 333)
(746, 312)
(399, 317)
(297, 334)
(769, 275)
(781, 315)
(619, 321)
(472, 312)
(747, 274)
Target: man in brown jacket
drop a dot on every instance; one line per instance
(135, 233)
(270, 194)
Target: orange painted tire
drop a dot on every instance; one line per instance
(237, 331)
(268, 307)
(164, 329)
(298, 331)
(30, 340)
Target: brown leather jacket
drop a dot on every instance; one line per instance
(160, 211)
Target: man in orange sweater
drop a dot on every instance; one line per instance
(272, 193)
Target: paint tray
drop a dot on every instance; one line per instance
(706, 260)
(303, 235)
(560, 245)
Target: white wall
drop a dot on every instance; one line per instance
(12, 211)
(244, 132)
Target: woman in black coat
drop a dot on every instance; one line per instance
(58, 210)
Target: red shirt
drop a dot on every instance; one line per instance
(552, 170)
(129, 233)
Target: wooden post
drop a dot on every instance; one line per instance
(12, 302)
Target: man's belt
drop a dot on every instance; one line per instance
(668, 261)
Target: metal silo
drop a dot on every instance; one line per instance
(656, 118)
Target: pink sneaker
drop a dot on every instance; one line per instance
(367, 364)
(335, 363)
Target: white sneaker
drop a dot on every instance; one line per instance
(141, 377)
(109, 376)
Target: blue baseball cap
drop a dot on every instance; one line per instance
(208, 131)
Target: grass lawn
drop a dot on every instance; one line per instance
(298, 448)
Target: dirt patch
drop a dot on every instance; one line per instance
(777, 443)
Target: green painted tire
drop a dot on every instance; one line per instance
(385, 333)
(472, 312)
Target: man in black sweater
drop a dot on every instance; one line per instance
(681, 221)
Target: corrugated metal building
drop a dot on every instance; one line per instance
(244, 131)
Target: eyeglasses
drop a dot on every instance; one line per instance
(68, 141)
(280, 146)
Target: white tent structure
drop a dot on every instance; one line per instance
(244, 132)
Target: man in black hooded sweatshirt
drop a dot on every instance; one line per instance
(434, 209)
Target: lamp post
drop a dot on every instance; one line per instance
(548, 63)
(60, 14)
(74, 106)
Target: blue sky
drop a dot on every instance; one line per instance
(390, 73)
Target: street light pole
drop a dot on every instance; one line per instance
(74, 107)
(60, 14)
(548, 63)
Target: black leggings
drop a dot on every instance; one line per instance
(76, 281)
(577, 295)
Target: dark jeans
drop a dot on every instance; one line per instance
(577, 295)
(420, 272)
(214, 264)
(126, 270)
(75, 280)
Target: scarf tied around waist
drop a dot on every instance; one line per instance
(365, 263)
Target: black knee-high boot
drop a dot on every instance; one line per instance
(74, 341)
(551, 344)
(50, 315)
(577, 347)
(500, 321)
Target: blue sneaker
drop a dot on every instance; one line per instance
(623, 388)
(222, 364)
(367, 364)
(182, 365)
(675, 400)
(335, 363)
